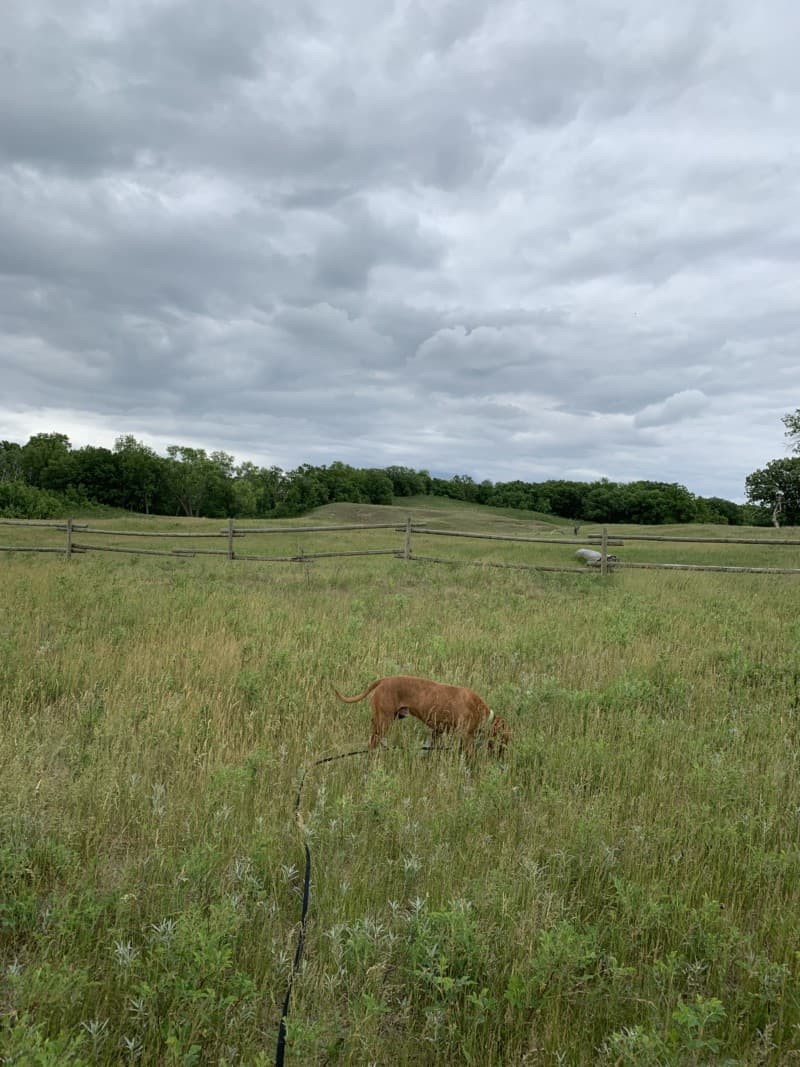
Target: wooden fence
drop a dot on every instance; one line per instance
(606, 563)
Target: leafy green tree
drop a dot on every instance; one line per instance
(141, 473)
(607, 502)
(45, 461)
(377, 486)
(303, 489)
(406, 482)
(224, 462)
(485, 491)
(514, 494)
(779, 476)
(342, 482)
(201, 484)
(463, 488)
(442, 487)
(257, 490)
(95, 472)
(245, 499)
(755, 515)
(10, 461)
(655, 502)
(716, 509)
(566, 498)
(792, 424)
(681, 501)
(426, 482)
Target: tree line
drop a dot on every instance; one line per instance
(47, 477)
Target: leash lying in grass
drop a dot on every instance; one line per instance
(280, 1050)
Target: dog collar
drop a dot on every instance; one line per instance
(490, 720)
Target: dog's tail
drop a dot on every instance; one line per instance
(355, 700)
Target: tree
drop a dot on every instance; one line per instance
(607, 502)
(566, 498)
(257, 489)
(440, 487)
(140, 472)
(96, 473)
(45, 461)
(656, 502)
(201, 484)
(10, 461)
(776, 487)
(245, 499)
(342, 482)
(303, 489)
(463, 487)
(485, 490)
(792, 424)
(779, 476)
(407, 482)
(514, 494)
(377, 486)
(717, 509)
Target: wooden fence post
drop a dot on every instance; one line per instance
(69, 538)
(604, 552)
(230, 537)
(407, 548)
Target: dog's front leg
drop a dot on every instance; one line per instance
(437, 732)
(380, 726)
(466, 743)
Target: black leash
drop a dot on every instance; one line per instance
(280, 1051)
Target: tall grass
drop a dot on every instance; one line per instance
(623, 889)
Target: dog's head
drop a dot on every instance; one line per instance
(499, 735)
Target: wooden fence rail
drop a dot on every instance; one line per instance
(304, 556)
(324, 529)
(705, 567)
(29, 548)
(240, 532)
(151, 551)
(150, 533)
(591, 538)
(60, 525)
(705, 540)
(605, 564)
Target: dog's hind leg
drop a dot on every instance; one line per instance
(381, 721)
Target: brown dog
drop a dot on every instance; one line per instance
(441, 707)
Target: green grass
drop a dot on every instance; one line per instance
(623, 889)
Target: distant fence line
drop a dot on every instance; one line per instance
(604, 564)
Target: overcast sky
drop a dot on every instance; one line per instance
(506, 239)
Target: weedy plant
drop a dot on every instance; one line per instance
(623, 888)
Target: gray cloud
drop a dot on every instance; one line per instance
(683, 405)
(510, 240)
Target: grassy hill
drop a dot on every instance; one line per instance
(444, 513)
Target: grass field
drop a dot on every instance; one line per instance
(624, 888)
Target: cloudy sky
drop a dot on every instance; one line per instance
(506, 239)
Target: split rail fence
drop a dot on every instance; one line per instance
(604, 564)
